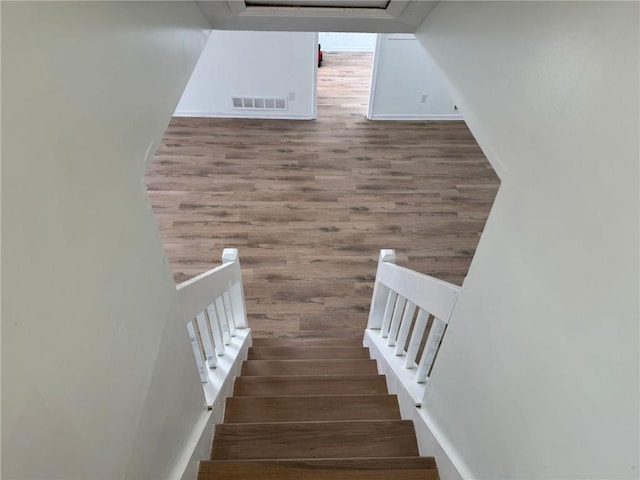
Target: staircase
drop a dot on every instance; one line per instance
(315, 410)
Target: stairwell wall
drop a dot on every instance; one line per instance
(538, 373)
(406, 84)
(98, 379)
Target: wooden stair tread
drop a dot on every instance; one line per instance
(396, 438)
(311, 408)
(404, 468)
(293, 342)
(310, 385)
(305, 352)
(351, 366)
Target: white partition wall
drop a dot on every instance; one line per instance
(269, 74)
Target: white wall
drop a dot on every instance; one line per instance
(253, 64)
(347, 42)
(538, 373)
(98, 377)
(407, 84)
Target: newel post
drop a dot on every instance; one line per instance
(236, 290)
(230, 255)
(380, 292)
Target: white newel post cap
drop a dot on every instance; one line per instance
(387, 255)
(229, 255)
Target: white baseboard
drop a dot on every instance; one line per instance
(229, 366)
(431, 441)
(254, 115)
(416, 117)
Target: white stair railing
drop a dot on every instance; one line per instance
(408, 316)
(214, 308)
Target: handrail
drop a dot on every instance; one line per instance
(409, 314)
(197, 293)
(214, 310)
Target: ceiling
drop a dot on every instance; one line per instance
(376, 16)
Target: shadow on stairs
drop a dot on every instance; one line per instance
(313, 410)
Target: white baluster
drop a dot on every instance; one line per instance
(222, 318)
(416, 338)
(430, 349)
(216, 329)
(388, 312)
(226, 301)
(229, 255)
(205, 337)
(395, 321)
(405, 325)
(236, 290)
(380, 291)
(197, 352)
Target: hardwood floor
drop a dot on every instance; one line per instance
(309, 204)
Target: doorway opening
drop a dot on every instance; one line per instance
(344, 77)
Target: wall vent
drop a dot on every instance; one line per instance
(259, 103)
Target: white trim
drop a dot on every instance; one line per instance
(314, 81)
(432, 441)
(397, 7)
(420, 116)
(236, 7)
(401, 36)
(317, 13)
(257, 115)
(374, 76)
(183, 468)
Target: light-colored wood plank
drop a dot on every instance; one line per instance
(310, 385)
(306, 353)
(325, 342)
(351, 366)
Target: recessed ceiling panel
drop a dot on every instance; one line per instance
(381, 4)
(378, 16)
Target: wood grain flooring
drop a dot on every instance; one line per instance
(307, 408)
(309, 204)
(307, 352)
(265, 386)
(254, 441)
(310, 367)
